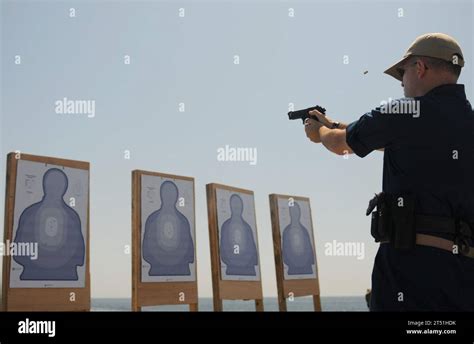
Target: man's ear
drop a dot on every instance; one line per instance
(421, 69)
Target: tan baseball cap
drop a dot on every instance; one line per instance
(438, 45)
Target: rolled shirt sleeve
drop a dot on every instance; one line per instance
(377, 129)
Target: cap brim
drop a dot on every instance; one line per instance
(393, 70)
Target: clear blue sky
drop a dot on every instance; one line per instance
(190, 60)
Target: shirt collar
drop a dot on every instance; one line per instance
(448, 89)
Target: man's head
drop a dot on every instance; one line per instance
(432, 60)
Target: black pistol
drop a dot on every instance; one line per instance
(303, 114)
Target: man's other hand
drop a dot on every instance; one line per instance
(311, 127)
(326, 121)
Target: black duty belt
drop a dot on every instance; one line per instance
(400, 226)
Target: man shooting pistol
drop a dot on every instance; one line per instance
(424, 216)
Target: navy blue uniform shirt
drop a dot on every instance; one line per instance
(428, 146)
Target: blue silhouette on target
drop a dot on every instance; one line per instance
(237, 246)
(56, 228)
(298, 252)
(167, 244)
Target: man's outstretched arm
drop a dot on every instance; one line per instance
(333, 139)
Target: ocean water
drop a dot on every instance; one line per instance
(334, 304)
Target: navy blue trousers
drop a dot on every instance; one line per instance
(422, 279)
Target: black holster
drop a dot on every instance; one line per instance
(394, 219)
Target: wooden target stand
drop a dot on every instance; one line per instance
(156, 293)
(40, 299)
(227, 289)
(297, 287)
